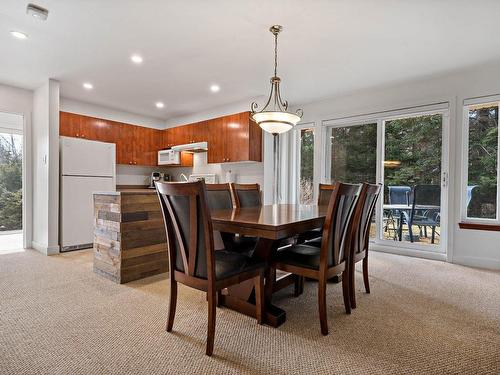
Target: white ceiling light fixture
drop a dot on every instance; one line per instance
(160, 105)
(136, 59)
(19, 35)
(274, 117)
(37, 12)
(215, 88)
(88, 86)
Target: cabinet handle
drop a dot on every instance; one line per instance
(130, 162)
(77, 135)
(135, 162)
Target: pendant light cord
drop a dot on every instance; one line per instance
(275, 53)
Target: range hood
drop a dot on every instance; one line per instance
(192, 147)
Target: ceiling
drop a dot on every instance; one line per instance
(327, 47)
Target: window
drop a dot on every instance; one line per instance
(481, 183)
(306, 168)
(353, 153)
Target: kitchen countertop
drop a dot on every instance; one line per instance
(126, 192)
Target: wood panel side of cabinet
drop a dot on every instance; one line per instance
(255, 141)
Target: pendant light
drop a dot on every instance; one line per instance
(274, 118)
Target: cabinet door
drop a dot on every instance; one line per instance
(97, 129)
(69, 124)
(124, 143)
(237, 137)
(199, 132)
(147, 142)
(166, 138)
(216, 138)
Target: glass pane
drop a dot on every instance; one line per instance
(483, 153)
(412, 179)
(11, 182)
(306, 176)
(354, 156)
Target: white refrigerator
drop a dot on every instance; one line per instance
(86, 167)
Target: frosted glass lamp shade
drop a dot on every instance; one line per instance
(276, 122)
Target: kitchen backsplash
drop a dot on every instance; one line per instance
(244, 173)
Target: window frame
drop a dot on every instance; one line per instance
(296, 155)
(465, 164)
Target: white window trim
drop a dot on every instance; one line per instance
(465, 164)
(295, 153)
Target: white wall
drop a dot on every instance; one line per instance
(45, 136)
(19, 101)
(470, 247)
(93, 110)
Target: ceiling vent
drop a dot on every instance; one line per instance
(37, 12)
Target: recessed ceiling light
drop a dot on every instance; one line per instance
(37, 12)
(159, 105)
(215, 88)
(136, 59)
(19, 35)
(88, 86)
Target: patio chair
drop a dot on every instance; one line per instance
(428, 195)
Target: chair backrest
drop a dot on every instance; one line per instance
(338, 224)
(189, 228)
(246, 195)
(399, 194)
(219, 196)
(363, 216)
(324, 194)
(426, 195)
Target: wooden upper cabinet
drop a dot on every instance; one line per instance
(234, 138)
(216, 138)
(125, 146)
(147, 144)
(70, 124)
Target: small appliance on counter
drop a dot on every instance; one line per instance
(208, 177)
(158, 176)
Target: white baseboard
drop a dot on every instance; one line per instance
(408, 252)
(489, 263)
(47, 250)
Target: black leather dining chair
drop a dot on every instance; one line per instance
(333, 257)
(192, 259)
(246, 195)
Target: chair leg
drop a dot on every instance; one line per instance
(259, 297)
(365, 274)
(352, 283)
(298, 287)
(171, 305)
(211, 321)
(346, 291)
(433, 235)
(322, 306)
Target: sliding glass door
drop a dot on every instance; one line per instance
(412, 167)
(406, 154)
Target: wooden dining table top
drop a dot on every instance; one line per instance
(269, 221)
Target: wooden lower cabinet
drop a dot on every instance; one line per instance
(129, 238)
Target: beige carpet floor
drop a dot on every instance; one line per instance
(423, 317)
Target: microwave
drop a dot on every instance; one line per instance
(169, 157)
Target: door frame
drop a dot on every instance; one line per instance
(27, 206)
(380, 118)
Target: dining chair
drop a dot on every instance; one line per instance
(192, 259)
(220, 197)
(397, 195)
(332, 258)
(246, 195)
(424, 195)
(324, 193)
(361, 234)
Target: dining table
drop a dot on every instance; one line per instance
(272, 225)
